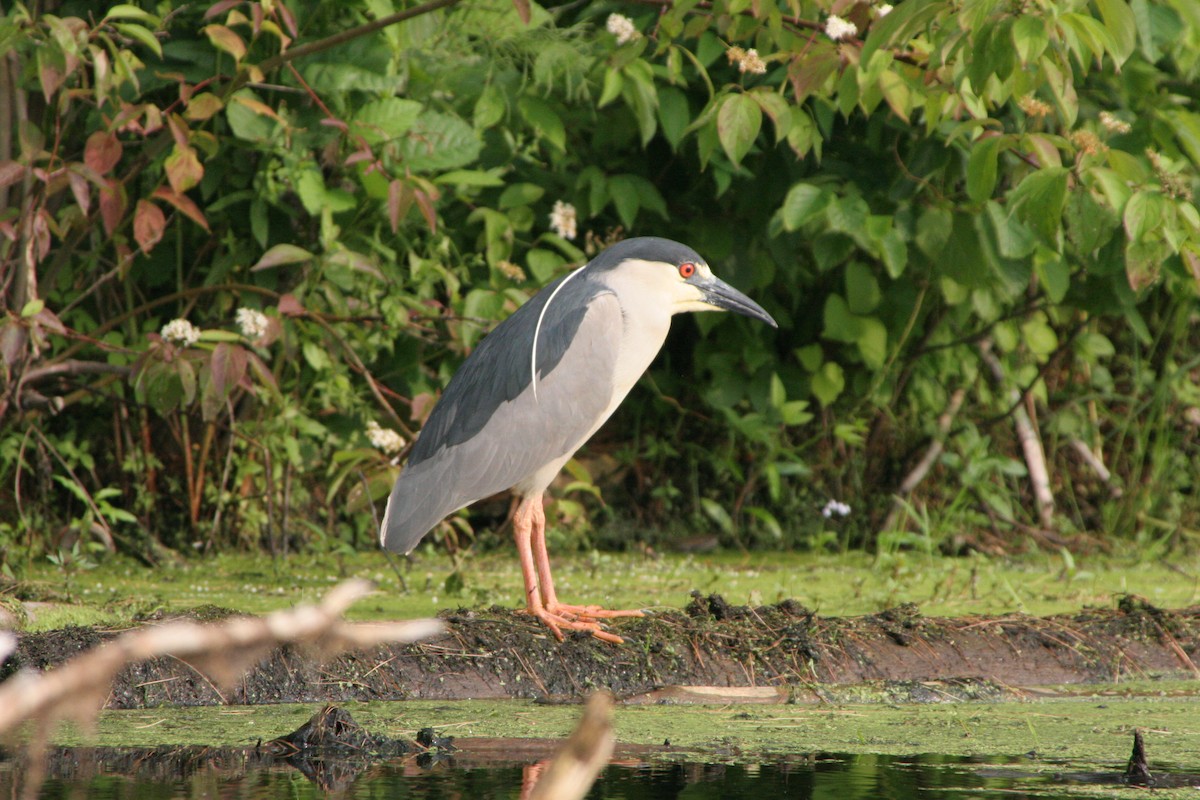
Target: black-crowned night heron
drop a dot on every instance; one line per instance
(537, 387)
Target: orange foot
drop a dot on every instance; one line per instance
(556, 622)
(591, 612)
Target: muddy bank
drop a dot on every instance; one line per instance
(785, 650)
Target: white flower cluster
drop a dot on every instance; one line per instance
(883, 10)
(622, 27)
(563, 219)
(747, 60)
(835, 507)
(181, 331)
(384, 439)
(252, 322)
(837, 28)
(1114, 124)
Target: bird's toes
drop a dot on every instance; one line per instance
(593, 612)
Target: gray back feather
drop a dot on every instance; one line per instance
(488, 433)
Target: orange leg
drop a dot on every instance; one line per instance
(532, 507)
(528, 510)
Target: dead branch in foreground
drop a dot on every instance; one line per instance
(223, 651)
(582, 756)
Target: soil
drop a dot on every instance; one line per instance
(784, 652)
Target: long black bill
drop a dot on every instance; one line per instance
(721, 294)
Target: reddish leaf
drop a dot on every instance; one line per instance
(216, 9)
(203, 106)
(51, 73)
(256, 17)
(225, 39)
(400, 200)
(422, 405)
(289, 21)
(79, 188)
(183, 169)
(226, 369)
(48, 320)
(183, 203)
(281, 254)
(13, 337)
(522, 7)
(10, 173)
(102, 152)
(258, 107)
(112, 205)
(265, 376)
(289, 306)
(179, 130)
(427, 210)
(148, 225)
(39, 242)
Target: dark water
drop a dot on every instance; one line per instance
(234, 774)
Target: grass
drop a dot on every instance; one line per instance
(1095, 728)
(850, 584)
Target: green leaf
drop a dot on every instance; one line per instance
(1039, 199)
(1121, 24)
(470, 177)
(982, 166)
(1053, 273)
(642, 98)
(1039, 337)
(840, 324)
(127, 11)
(673, 115)
(543, 264)
(1186, 125)
(1014, 239)
(246, 123)
(519, 194)
(828, 383)
(625, 196)
(142, 35)
(316, 356)
(439, 141)
(32, 308)
(340, 77)
(614, 82)
(738, 123)
(1030, 37)
(933, 229)
(905, 21)
(648, 196)
(810, 357)
(1144, 214)
(862, 290)
(490, 107)
(387, 119)
(775, 107)
(717, 513)
(542, 117)
(894, 251)
(803, 202)
(872, 342)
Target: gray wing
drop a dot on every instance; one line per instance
(489, 433)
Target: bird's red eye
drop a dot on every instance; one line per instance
(687, 269)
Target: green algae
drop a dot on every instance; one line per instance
(119, 590)
(1094, 729)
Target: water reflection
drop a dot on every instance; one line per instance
(497, 771)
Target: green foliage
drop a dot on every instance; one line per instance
(342, 210)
